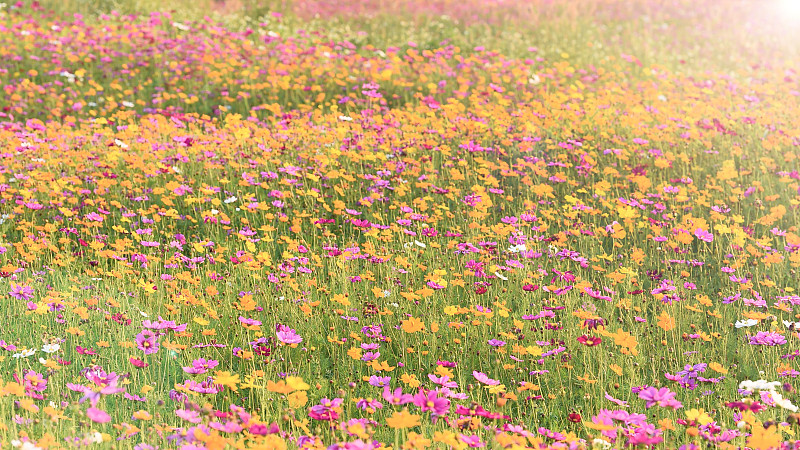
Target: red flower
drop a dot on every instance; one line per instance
(589, 341)
(574, 417)
(138, 363)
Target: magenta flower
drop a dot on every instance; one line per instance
(98, 415)
(162, 325)
(21, 292)
(287, 335)
(472, 441)
(379, 381)
(371, 356)
(430, 401)
(252, 322)
(443, 381)
(138, 363)
(205, 387)
(703, 235)
(396, 397)
(662, 397)
(34, 381)
(365, 403)
(201, 365)
(483, 378)
(326, 410)
(644, 436)
(190, 416)
(770, 338)
(146, 342)
(227, 427)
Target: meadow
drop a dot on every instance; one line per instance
(399, 224)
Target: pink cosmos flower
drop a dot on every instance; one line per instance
(483, 378)
(703, 235)
(261, 429)
(287, 335)
(227, 427)
(430, 401)
(190, 416)
(396, 397)
(252, 322)
(138, 363)
(443, 381)
(326, 410)
(162, 325)
(365, 403)
(201, 365)
(616, 401)
(205, 387)
(146, 342)
(94, 217)
(21, 292)
(98, 415)
(767, 338)
(473, 441)
(662, 397)
(34, 381)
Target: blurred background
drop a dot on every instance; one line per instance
(690, 36)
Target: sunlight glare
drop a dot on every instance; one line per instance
(789, 9)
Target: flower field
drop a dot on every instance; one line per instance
(401, 224)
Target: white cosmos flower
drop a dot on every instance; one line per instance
(760, 385)
(50, 348)
(24, 353)
(746, 323)
(784, 403)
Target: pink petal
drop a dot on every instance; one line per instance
(617, 401)
(98, 415)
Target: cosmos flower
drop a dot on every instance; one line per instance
(326, 410)
(287, 335)
(147, 342)
(21, 292)
(430, 401)
(98, 415)
(767, 338)
(483, 378)
(396, 397)
(200, 366)
(662, 397)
